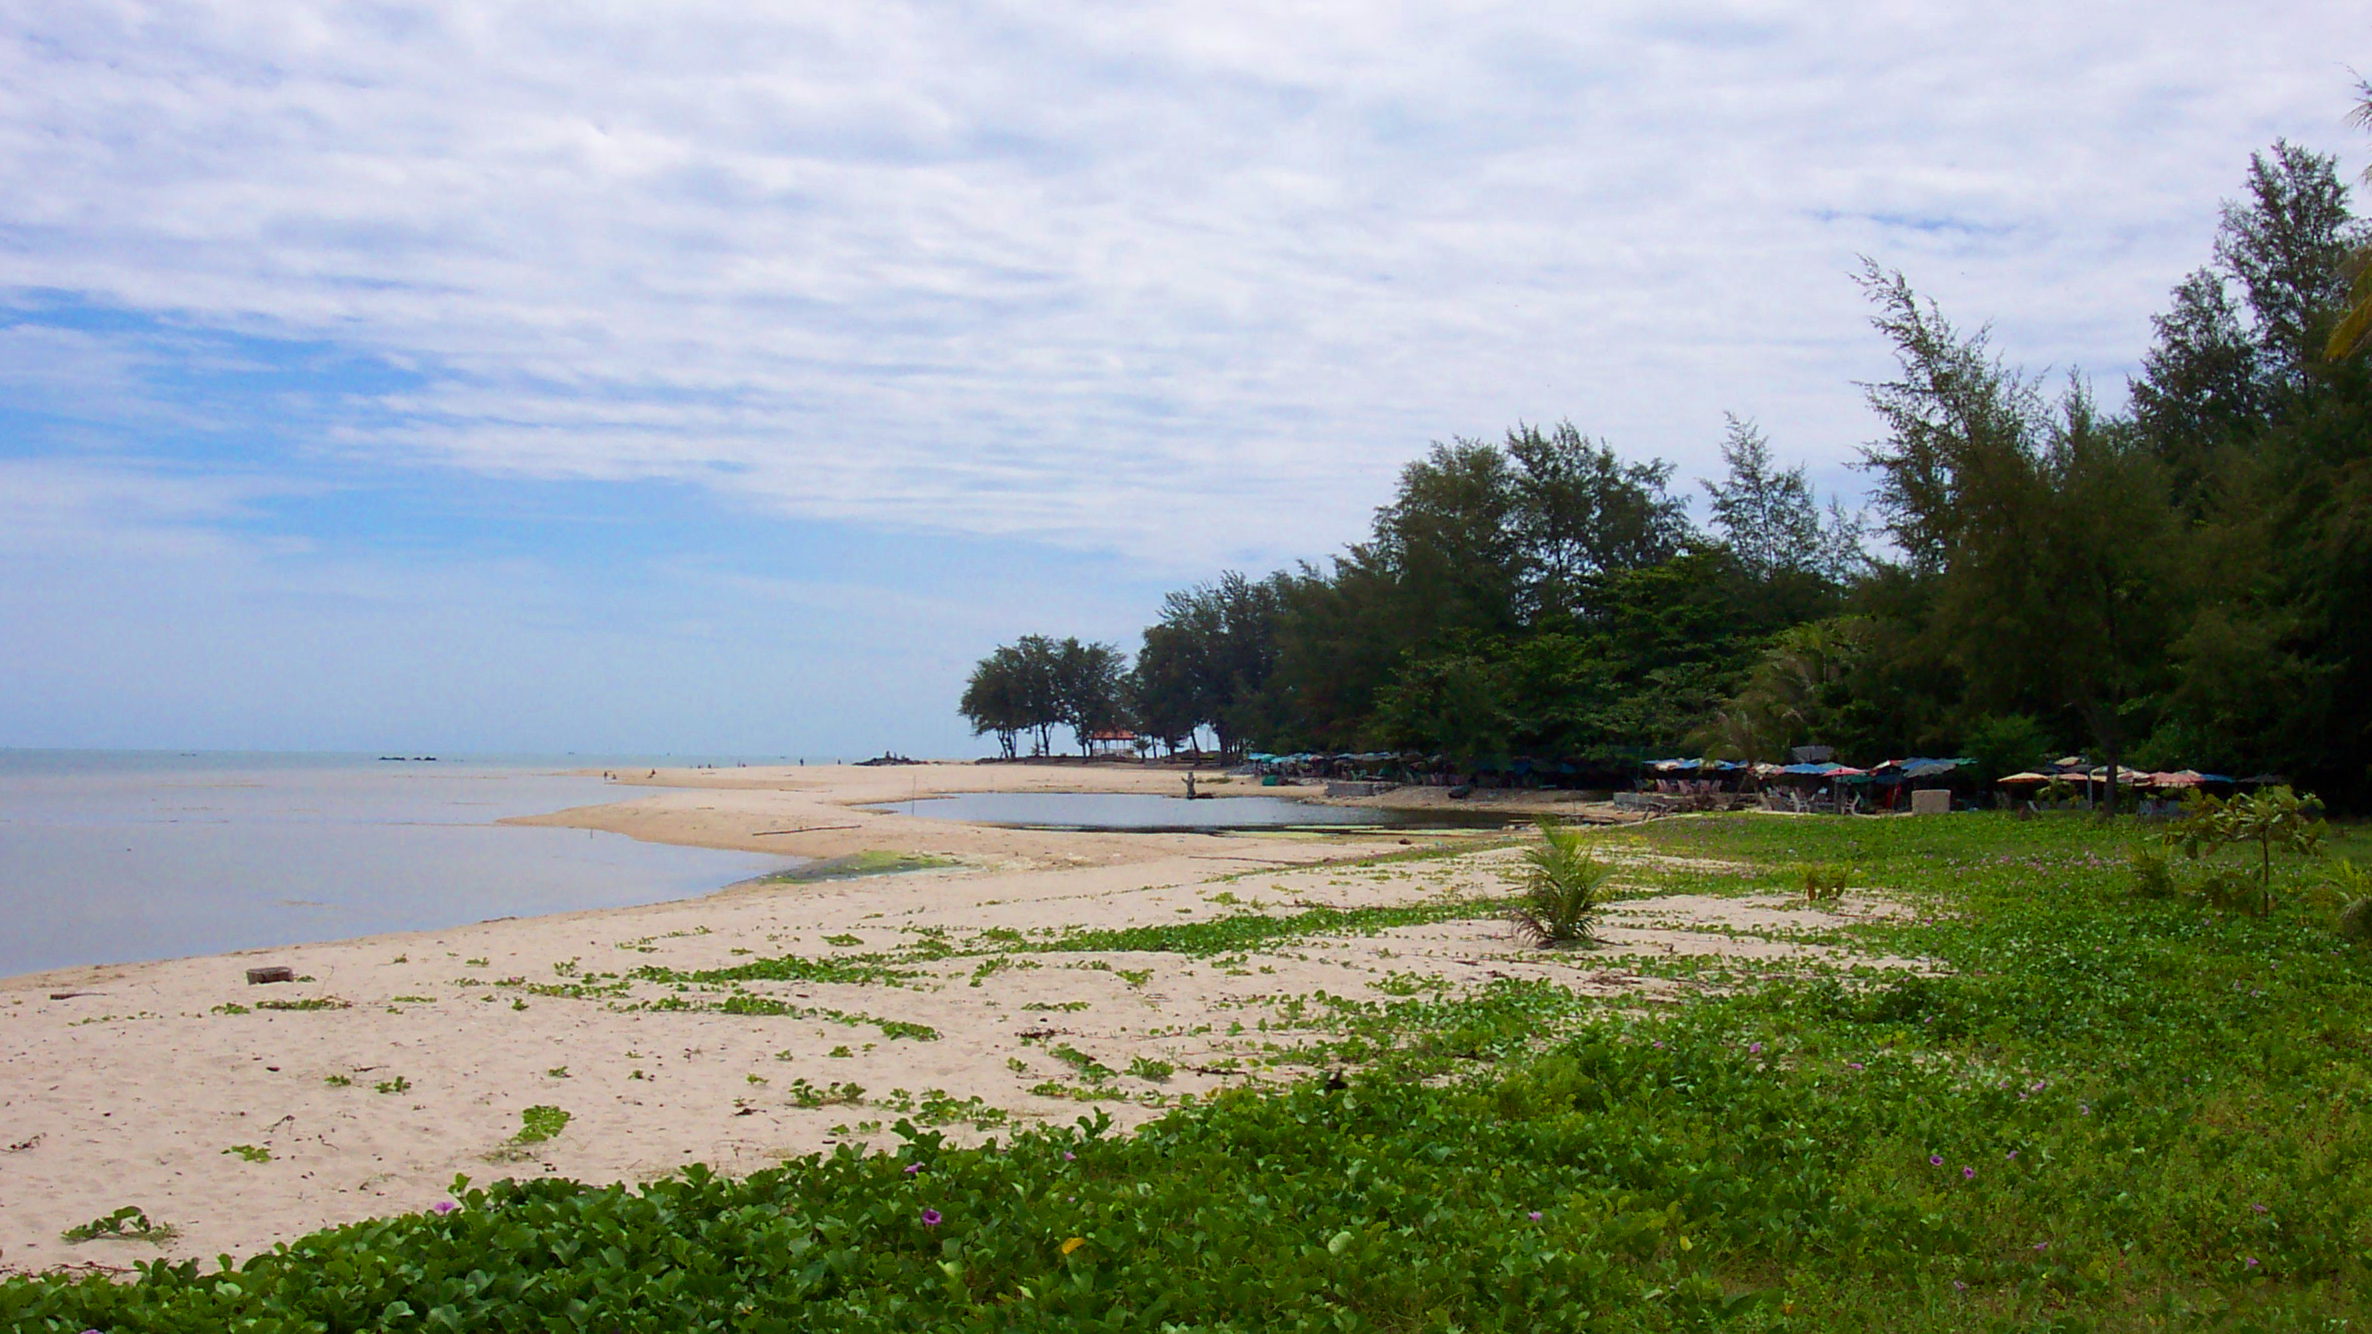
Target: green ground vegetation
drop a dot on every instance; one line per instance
(2096, 1107)
(857, 865)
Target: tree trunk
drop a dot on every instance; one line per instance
(2116, 758)
(2103, 718)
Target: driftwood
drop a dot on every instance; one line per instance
(811, 829)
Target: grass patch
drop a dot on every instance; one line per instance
(1238, 932)
(1445, 846)
(744, 1003)
(854, 969)
(857, 865)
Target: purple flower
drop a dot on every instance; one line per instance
(2011, 1154)
(1968, 1174)
(1853, 1065)
(1754, 1049)
(932, 1218)
(2258, 1207)
(1535, 1215)
(1935, 1160)
(1067, 1155)
(2251, 1262)
(912, 1168)
(2042, 1245)
(1958, 1286)
(443, 1207)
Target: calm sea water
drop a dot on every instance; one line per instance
(112, 856)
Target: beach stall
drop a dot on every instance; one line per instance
(1893, 782)
(1115, 741)
(2128, 779)
(1806, 788)
(2037, 790)
(2181, 779)
(1693, 784)
(2167, 790)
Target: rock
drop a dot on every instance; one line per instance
(256, 977)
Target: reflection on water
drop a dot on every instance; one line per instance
(1141, 813)
(112, 859)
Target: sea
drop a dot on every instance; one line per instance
(118, 856)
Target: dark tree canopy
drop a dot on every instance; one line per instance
(1038, 684)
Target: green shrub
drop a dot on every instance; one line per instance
(2355, 921)
(1563, 887)
(2153, 873)
(2274, 817)
(1824, 883)
(2229, 889)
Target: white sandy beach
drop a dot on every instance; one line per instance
(131, 1085)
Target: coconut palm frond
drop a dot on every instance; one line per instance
(2353, 332)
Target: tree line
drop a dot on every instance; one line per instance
(2186, 582)
(1030, 688)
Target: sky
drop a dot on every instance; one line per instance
(729, 377)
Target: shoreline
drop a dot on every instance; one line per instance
(816, 811)
(662, 809)
(248, 1115)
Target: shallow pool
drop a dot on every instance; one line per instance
(1143, 813)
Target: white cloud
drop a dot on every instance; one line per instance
(60, 509)
(1180, 281)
